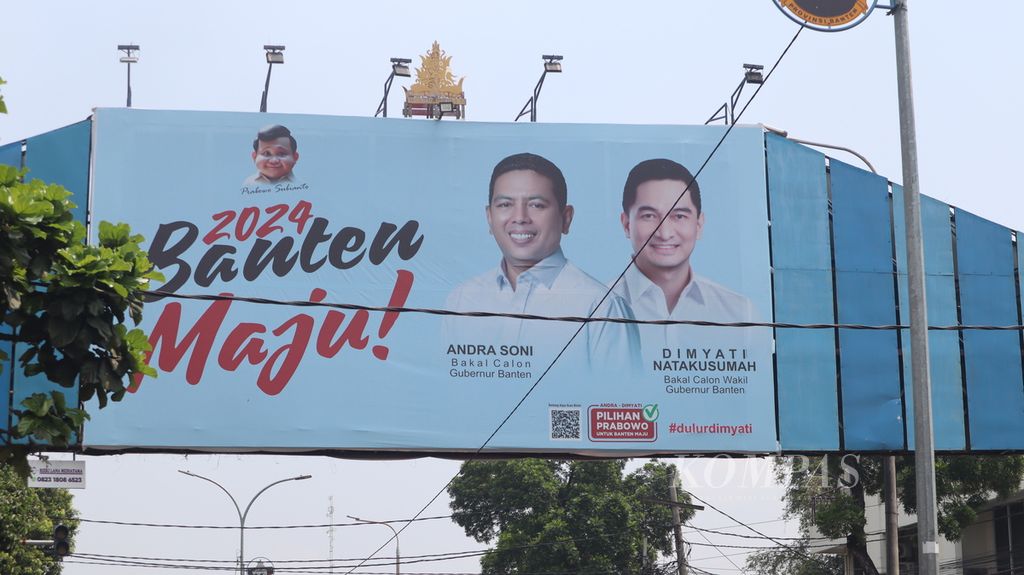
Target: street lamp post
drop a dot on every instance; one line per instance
(243, 514)
(398, 557)
(275, 55)
(399, 67)
(727, 111)
(552, 64)
(129, 59)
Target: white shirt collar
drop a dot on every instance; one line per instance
(545, 271)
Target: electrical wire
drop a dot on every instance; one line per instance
(717, 548)
(309, 526)
(568, 318)
(631, 263)
(772, 539)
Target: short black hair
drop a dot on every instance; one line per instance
(658, 169)
(534, 163)
(271, 133)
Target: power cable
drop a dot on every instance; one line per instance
(568, 318)
(596, 307)
(717, 548)
(772, 539)
(309, 526)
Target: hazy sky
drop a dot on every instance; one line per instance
(650, 63)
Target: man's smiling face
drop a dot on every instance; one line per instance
(672, 244)
(275, 158)
(525, 219)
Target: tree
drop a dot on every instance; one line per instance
(64, 303)
(577, 516)
(798, 558)
(30, 514)
(829, 494)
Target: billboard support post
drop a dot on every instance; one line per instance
(924, 449)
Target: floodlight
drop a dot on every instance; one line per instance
(752, 74)
(727, 111)
(552, 64)
(275, 55)
(399, 67)
(446, 107)
(129, 58)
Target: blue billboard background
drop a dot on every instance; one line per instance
(392, 213)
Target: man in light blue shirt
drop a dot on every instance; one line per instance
(527, 213)
(662, 284)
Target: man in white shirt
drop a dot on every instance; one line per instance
(527, 213)
(662, 284)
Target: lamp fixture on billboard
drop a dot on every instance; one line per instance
(129, 59)
(727, 111)
(275, 55)
(399, 67)
(553, 64)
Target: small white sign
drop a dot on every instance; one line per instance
(54, 474)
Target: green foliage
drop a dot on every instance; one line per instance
(576, 516)
(67, 304)
(828, 495)
(30, 514)
(962, 484)
(798, 559)
(3, 106)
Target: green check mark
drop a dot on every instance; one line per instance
(651, 412)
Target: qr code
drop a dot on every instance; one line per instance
(565, 424)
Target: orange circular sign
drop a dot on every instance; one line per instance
(827, 15)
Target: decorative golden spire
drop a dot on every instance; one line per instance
(434, 77)
(435, 92)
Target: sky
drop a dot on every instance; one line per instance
(648, 63)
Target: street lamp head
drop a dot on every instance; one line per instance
(275, 53)
(301, 477)
(400, 66)
(752, 73)
(552, 63)
(128, 58)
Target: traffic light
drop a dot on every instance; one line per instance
(61, 546)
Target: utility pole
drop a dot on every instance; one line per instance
(892, 519)
(677, 526)
(924, 448)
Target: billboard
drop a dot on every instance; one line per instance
(509, 247)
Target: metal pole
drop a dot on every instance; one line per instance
(398, 556)
(266, 88)
(924, 451)
(383, 107)
(677, 526)
(129, 84)
(536, 96)
(892, 519)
